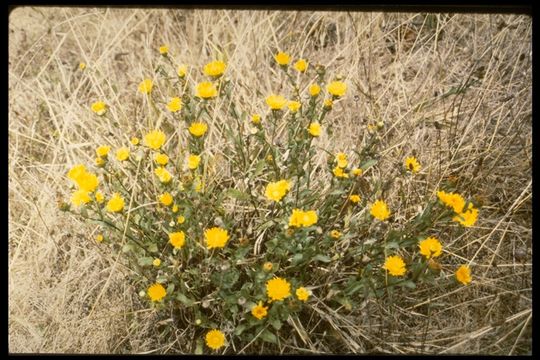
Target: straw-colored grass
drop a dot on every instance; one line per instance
(455, 89)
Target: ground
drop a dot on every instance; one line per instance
(454, 89)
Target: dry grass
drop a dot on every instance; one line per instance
(456, 89)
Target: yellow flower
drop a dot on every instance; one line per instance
(277, 190)
(99, 108)
(146, 86)
(395, 265)
(328, 103)
(302, 294)
(267, 266)
(99, 197)
(463, 274)
(303, 218)
(76, 172)
(215, 339)
(341, 159)
(354, 198)
(379, 210)
(122, 154)
(206, 90)
(335, 234)
(256, 119)
(166, 199)
(301, 65)
(103, 151)
(82, 66)
(193, 161)
(337, 88)
(181, 71)
(198, 129)
(99, 238)
(294, 106)
(164, 50)
(156, 262)
(356, 172)
(314, 90)
(80, 197)
(278, 289)
(134, 141)
(175, 104)
(338, 172)
(276, 102)
(430, 247)
(161, 159)
(259, 311)
(155, 139)
(116, 203)
(163, 175)
(215, 68)
(453, 200)
(282, 58)
(174, 208)
(85, 180)
(314, 129)
(100, 162)
(411, 164)
(215, 237)
(177, 239)
(180, 220)
(88, 182)
(156, 292)
(467, 218)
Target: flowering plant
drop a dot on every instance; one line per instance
(237, 242)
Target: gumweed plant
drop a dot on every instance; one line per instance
(237, 256)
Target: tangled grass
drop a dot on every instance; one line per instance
(453, 90)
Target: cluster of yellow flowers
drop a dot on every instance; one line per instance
(429, 248)
(278, 289)
(340, 169)
(300, 218)
(465, 216)
(87, 183)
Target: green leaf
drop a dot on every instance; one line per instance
(409, 284)
(127, 248)
(145, 261)
(152, 248)
(297, 258)
(199, 348)
(392, 245)
(323, 258)
(269, 337)
(170, 289)
(354, 287)
(366, 165)
(240, 329)
(184, 299)
(276, 324)
(161, 279)
(259, 168)
(237, 194)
